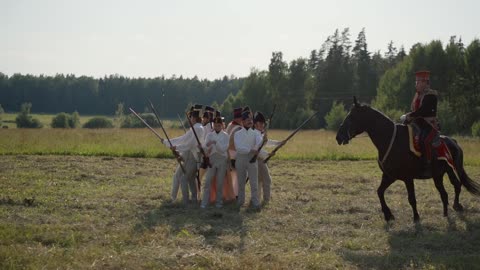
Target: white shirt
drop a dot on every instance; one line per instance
(221, 146)
(207, 129)
(187, 141)
(246, 140)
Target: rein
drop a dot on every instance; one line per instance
(389, 146)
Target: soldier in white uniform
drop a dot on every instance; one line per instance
(207, 120)
(216, 143)
(187, 146)
(247, 141)
(264, 178)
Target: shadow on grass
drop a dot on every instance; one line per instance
(426, 247)
(213, 224)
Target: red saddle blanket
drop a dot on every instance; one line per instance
(442, 151)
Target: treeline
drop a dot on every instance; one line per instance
(342, 68)
(334, 73)
(87, 95)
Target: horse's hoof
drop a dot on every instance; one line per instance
(416, 218)
(389, 217)
(458, 207)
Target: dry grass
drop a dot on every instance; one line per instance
(111, 213)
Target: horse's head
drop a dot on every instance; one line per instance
(353, 124)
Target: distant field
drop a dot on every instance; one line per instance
(72, 212)
(46, 119)
(306, 145)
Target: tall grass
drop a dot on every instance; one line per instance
(308, 145)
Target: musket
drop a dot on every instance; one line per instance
(205, 159)
(289, 137)
(177, 157)
(181, 122)
(254, 158)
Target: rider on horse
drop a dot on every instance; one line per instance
(424, 115)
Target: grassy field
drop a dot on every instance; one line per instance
(306, 145)
(74, 212)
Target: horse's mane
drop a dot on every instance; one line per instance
(376, 111)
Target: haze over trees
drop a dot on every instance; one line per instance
(340, 68)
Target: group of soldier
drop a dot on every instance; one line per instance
(226, 156)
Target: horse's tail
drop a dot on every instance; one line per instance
(457, 154)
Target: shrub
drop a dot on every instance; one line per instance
(65, 120)
(60, 121)
(476, 129)
(132, 121)
(25, 120)
(98, 122)
(335, 116)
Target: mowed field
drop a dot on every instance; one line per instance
(82, 199)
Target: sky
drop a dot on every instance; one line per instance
(208, 38)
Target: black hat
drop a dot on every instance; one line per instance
(218, 114)
(195, 110)
(247, 109)
(209, 109)
(218, 120)
(246, 114)
(259, 117)
(237, 112)
(208, 112)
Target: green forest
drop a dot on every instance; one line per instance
(339, 69)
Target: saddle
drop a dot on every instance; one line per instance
(440, 148)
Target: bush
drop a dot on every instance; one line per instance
(335, 116)
(25, 120)
(60, 121)
(65, 120)
(132, 121)
(98, 122)
(476, 129)
(74, 120)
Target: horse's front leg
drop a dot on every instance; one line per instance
(438, 180)
(411, 198)
(386, 182)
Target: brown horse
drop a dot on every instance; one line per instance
(397, 162)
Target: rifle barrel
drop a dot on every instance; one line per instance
(289, 137)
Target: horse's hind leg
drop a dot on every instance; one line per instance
(411, 198)
(458, 188)
(386, 182)
(438, 180)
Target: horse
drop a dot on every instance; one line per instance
(397, 162)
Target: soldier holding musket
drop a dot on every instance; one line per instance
(187, 146)
(216, 143)
(264, 178)
(247, 141)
